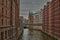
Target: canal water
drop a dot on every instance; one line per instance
(34, 35)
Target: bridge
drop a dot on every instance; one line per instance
(34, 24)
(26, 25)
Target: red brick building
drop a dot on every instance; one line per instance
(30, 19)
(56, 11)
(9, 19)
(51, 18)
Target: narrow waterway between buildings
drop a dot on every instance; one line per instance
(34, 35)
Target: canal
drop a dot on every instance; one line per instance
(34, 35)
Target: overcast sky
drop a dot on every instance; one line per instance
(32, 5)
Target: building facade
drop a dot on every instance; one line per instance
(30, 20)
(56, 11)
(37, 22)
(21, 24)
(37, 17)
(9, 19)
(51, 18)
(25, 23)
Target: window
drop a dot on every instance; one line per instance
(2, 35)
(6, 21)
(5, 34)
(2, 21)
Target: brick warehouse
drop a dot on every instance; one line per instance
(47, 17)
(9, 19)
(51, 18)
(56, 11)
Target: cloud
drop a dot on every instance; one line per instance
(33, 5)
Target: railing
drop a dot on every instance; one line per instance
(50, 35)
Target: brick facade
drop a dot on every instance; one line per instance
(30, 19)
(51, 17)
(9, 19)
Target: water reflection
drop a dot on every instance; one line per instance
(31, 35)
(34, 35)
